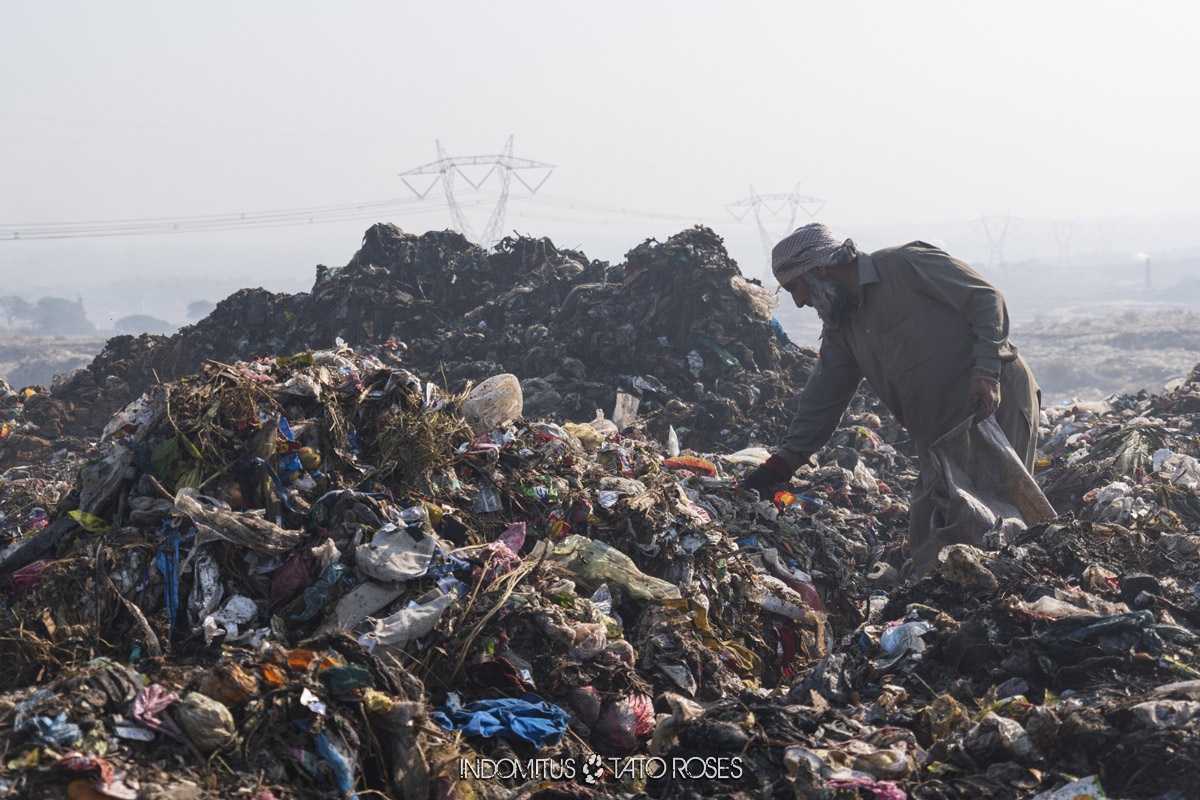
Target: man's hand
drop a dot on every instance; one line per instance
(983, 398)
(773, 470)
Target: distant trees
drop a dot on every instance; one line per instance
(136, 324)
(49, 316)
(199, 309)
(56, 316)
(16, 310)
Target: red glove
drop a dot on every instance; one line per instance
(983, 398)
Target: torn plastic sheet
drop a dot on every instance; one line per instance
(363, 601)
(905, 638)
(215, 521)
(237, 612)
(56, 732)
(396, 554)
(407, 624)
(486, 501)
(442, 569)
(138, 415)
(206, 586)
(312, 702)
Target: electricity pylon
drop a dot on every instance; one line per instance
(775, 205)
(996, 229)
(1062, 235)
(446, 168)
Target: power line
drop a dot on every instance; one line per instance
(600, 208)
(313, 215)
(190, 129)
(243, 215)
(222, 222)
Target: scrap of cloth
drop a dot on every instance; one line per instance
(530, 719)
(808, 247)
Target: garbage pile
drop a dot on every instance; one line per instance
(675, 325)
(321, 572)
(318, 574)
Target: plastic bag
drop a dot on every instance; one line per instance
(625, 410)
(905, 638)
(493, 403)
(598, 561)
(603, 426)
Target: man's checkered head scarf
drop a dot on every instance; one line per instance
(808, 247)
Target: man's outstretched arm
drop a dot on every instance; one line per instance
(825, 397)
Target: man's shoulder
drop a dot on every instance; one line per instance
(914, 249)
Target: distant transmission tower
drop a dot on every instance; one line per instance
(1062, 235)
(775, 206)
(996, 229)
(445, 169)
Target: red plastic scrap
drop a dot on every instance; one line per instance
(699, 466)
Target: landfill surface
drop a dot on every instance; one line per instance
(465, 524)
(34, 360)
(1092, 357)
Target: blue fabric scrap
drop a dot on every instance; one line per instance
(529, 719)
(167, 558)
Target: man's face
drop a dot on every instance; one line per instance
(824, 293)
(798, 289)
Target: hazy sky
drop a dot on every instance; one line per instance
(892, 112)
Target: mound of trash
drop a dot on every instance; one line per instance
(675, 325)
(319, 572)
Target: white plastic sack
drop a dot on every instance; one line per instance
(493, 403)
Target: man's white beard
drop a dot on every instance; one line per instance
(828, 298)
